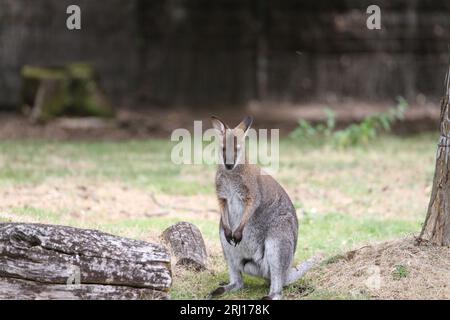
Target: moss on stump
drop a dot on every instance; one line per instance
(72, 90)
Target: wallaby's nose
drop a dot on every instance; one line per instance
(229, 166)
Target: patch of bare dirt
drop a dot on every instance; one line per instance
(105, 201)
(390, 270)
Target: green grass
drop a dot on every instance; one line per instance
(345, 198)
(140, 163)
(147, 163)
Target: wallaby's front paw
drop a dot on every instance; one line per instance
(237, 237)
(228, 235)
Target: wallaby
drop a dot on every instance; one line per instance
(258, 222)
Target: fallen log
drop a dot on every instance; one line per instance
(58, 262)
(14, 289)
(186, 243)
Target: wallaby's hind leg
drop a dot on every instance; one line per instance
(279, 257)
(236, 282)
(276, 287)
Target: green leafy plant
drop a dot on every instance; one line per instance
(355, 134)
(400, 272)
(306, 130)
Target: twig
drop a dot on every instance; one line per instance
(157, 214)
(179, 208)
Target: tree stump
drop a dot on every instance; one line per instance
(436, 228)
(56, 91)
(57, 262)
(186, 243)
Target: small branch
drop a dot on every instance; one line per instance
(157, 214)
(169, 207)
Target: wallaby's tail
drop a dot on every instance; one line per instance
(299, 271)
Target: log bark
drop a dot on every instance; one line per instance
(39, 261)
(436, 228)
(186, 243)
(18, 289)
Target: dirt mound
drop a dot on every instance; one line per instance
(397, 269)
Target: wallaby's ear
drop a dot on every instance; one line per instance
(218, 125)
(245, 124)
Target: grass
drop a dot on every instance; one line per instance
(142, 164)
(344, 198)
(341, 232)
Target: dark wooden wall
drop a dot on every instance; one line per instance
(228, 52)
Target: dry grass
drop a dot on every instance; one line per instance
(104, 201)
(406, 271)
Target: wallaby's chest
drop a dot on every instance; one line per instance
(233, 192)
